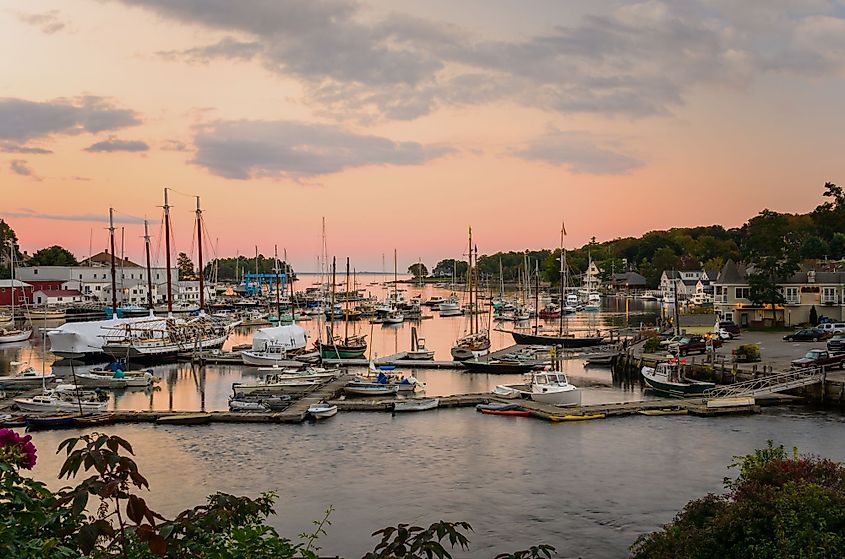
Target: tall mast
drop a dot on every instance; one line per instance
(122, 262)
(199, 254)
(395, 279)
(346, 306)
(149, 275)
(562, 287)
(334, 276)
(474, 315)
(113, 271)
(290, 284)
(167, 253)
(469, 279)
(12, 275)
(278, 283)
(537, 300)
(257, 281)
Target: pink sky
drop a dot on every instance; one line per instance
(404, 122)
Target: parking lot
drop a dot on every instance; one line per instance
(774, 350)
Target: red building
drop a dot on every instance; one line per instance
(46, 285)
(23, 293)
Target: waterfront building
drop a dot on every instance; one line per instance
(628, 281)
(810, 287)
(23, 292)
(56, 296)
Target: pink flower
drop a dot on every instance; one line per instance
(19, 449)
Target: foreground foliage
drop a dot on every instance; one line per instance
(780, 506)
(38, 523)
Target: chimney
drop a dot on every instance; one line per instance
(811, 276)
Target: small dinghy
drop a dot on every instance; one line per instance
(421, 404)
(517, 412)
(585, 417)
(505, 391)
(185, 419)
(248, 405)
(496, 406)
(94, 419)
(371, 390)
(322, 411)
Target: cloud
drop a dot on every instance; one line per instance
(296, 150)
(175, 145)
(27, 213)
(48, 22)
(22, 120)
(581, 152)
(637, 58)
(22, 168)
(115, 144)
(9, 147)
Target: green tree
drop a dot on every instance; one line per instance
(779, 506)
(8, 239)
(186, 267)
(445, 268)
(418, 270)
(813, 248)
(53, 256)
(837, 246)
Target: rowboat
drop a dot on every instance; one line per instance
(185, 419)
(421, 404)
(377, 390)
(663, 412)
(247, 405)
(518, 413)
(585, 417)
(94, 420)
(322, 411)
(57, 421)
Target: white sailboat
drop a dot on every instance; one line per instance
(11, 334)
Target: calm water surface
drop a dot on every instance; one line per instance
(588, 488)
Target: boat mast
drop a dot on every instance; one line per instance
(257, 281)
(12, 275)
(346, 307)
(113, 271)
(469, 280)
(199, 254)
(477, 286)
(537, 300)
(562, 287)
(167, 253)
(278, 284)
(289, 280)
(149, 276)
(395, 280)
(122, 263)
(334, 279)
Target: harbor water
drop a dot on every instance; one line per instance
(588, 488)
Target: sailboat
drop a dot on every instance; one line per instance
(348, 347)
(12, 334)
(394, 315)
(477, 342)
(562, 338)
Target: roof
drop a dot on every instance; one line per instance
(60, 292)
(672, 274)
(18, 283)
(104, 259)
(731, 273)
(629, 278)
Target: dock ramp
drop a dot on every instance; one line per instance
(776, 382)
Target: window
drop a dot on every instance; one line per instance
(35, 272)
(790, 294)
(829, 295)
(743, 292)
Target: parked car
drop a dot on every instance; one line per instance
(807, 335)
(670, 340)
(832, 327)
(836, 344)
(724, 335)
(731, 327)
(691, 344)
(819, 358)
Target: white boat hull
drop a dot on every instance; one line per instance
(571, 397)
(26, 404)
(416, 405)
(16, 337)
(79, 339)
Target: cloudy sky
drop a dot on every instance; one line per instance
(402, 122)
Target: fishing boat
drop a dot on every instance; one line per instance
(433, 301)
(185, 419)
(50, 402)
(393, 316)
(28, 378)
(667, 379)
(53, 421)
(450, 306)
(322, 411)
(416, 404)
(270, 355)
(418, 350)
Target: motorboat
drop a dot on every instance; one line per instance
(450, 307)
(322, 411)
(420, 352)
(434, 301)
(393, 317)
(272, 385)
(54, 403)
(272, 353)
(371, 390)
(247, 405)
(118, 380)
(667, 379)
(28, 378)
(552, 387)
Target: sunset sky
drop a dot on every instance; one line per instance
(402, 122)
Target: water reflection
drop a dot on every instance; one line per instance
(190, 387)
